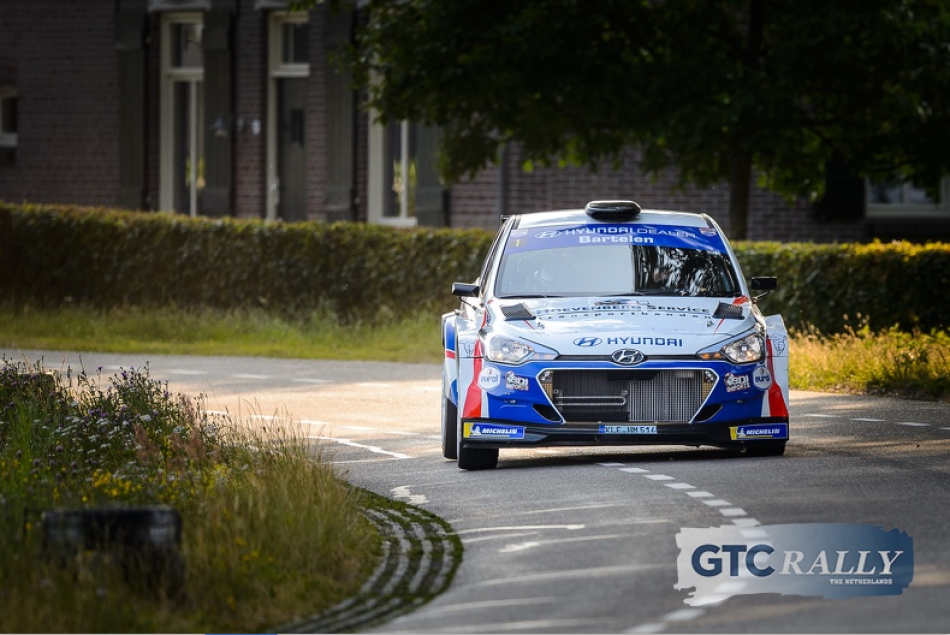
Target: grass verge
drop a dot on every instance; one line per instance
(889, 362)
(254, 333)
(269, 533)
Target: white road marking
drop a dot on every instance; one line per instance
(622, 569)
(522, 546)
(501, 537)
(647, 629)
(912, 424)
(659, 477)
(484, 604)
(246, 376)
(716, 502)
(371, 448)
(478, 530)
(611, 464)
(699, 494)
(634, 470)
(732, 511)
(307, 380)
(745, 522)
(866, 419)
(821, 416)
(413, 499)
(381, 430)
(680, 486)
(682, 615)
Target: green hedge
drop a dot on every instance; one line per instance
(51, 255)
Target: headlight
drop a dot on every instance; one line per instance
(746, 350)
(508, 351)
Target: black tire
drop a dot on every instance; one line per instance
(765, 448)
(450, 415)
(472, 459)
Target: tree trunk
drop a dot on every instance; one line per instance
(739, 187)
(740, 183)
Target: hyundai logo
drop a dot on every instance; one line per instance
(587, 341)
(627, 357)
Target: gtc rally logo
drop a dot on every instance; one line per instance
(825, 560)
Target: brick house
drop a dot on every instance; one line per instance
(234, 108)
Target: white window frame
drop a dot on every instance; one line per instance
(8, 140)
(376, 194)
(170, 75)
(941, 209)
(277, 70)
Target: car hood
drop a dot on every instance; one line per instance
(600, 326)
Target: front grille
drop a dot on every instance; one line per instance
(631, 395)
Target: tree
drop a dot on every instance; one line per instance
(717, 90)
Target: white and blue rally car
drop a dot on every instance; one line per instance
(611, 325)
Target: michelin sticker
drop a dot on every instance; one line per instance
(487, 430)
(489, 378)
(762, 378)
(762, 431)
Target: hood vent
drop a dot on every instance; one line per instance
(728, 311)
(517, 312)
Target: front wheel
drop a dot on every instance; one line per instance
(473, 459)
(765, 448)
(449, 428)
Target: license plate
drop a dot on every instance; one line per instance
(628, 429)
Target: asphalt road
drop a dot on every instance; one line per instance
(584, 540)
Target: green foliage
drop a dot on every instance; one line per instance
(712, 89)
(56, 255)
(61, 256)
(832, 286)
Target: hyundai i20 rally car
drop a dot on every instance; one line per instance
(611, 325)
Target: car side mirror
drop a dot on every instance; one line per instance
(764, 283)
(465, 290)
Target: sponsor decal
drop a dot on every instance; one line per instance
(735, 383)
(707, 231)
(645, 341)
(587, 341)
(620, 240)
(829, 560)
(779, 344)
(519, 233)
(487, 430)
(621, 305)
(628, 429)
(762, 378)
(761, 431)
(489, 378)
(514, 382)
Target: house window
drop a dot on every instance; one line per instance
(393, 171)
(900, 199)
(8, 117)
(182, 113)
(289, 79)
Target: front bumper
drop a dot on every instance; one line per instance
(488, 434)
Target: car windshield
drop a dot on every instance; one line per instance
(616, 270)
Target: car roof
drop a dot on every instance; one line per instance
(645, 217)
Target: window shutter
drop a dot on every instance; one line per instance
(845, 197)
(430, 210)
(130, 55)
(340, 201)
(219, 119)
